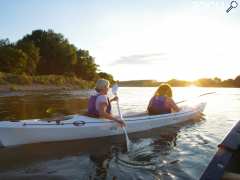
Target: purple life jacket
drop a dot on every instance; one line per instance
(158, 105)
(92, 111)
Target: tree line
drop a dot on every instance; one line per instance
(46, 52)
(217, 82)
(203, 82)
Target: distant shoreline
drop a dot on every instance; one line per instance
(41, 87)
(204, 82)
(187, 86)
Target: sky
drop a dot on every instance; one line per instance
(138, 39)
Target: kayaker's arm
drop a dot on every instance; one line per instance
(173, 105)
(115, 98)
(103, 114)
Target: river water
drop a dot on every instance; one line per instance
(177, 152)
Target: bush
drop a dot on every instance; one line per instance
(13, 88)
(12, 60)
(2, 78)
(25, 79)
(18, 79)
(58, 80)
(2, 82)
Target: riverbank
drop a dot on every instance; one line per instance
(37, 87)
(14, 82)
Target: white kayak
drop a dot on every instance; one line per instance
(83, 127)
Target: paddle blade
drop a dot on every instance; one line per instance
(115, 89)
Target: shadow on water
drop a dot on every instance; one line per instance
(101, 158)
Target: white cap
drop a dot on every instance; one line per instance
(102, 83)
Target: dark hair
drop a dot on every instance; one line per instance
(164, 90)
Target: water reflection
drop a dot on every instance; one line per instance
(101, 162)
(31, 106)
(105, 156)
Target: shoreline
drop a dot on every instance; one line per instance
(38, 87)
(42, 87)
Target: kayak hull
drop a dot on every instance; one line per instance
(83, 127)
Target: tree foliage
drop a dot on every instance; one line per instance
(57, 56)
(46, 52)
(203, 82)
(237, 81)
(85, 66)
(177, 83)
(106, 76)
(12, 60)
(33, 57)
(207, 82)
(4, 42)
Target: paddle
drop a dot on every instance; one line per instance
(197, 96)
(114, 91)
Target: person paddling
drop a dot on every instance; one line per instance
(99, 105)
(162, 102)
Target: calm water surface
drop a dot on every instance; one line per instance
(178, 152)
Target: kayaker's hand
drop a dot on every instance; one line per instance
(114, 99)
(121, 122)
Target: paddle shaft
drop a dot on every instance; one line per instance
(119, 111)
(197, 96)
(124, 129)
(121, 117)
(114, 91)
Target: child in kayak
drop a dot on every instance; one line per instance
(162, 102)
(99, 105)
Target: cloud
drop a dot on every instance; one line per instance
(141, 59)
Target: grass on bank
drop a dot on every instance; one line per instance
(57, 80)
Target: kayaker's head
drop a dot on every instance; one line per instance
(102, 86)
(164, 90)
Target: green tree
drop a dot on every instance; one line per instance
(46, 52)
(237, 81)
(228, 83)
(57, 55)
(106, 76)
(178, 83)
(33, 57)
(12, 60)
(4, 42)
(85, 66)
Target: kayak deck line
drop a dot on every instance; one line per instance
(75, 123)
